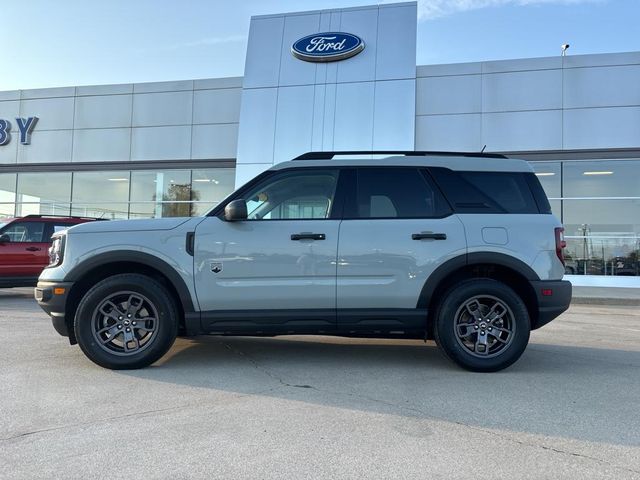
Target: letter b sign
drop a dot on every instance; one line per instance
(5, 132)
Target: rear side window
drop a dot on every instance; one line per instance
(397, 193)
(487, 192)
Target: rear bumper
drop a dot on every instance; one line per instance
(554, 297)
(52, 298)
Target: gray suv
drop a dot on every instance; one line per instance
(457, 247)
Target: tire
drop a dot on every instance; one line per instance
(129, 307)
(477, 349)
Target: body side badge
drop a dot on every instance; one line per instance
(216, 267)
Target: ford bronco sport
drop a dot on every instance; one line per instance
(461, 248)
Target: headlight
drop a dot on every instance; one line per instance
(56, 250)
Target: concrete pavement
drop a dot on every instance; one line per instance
(305, 407)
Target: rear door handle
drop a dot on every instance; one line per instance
(308, 236)
(33, 249)
(429, 236)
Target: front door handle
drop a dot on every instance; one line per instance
(429, 236)
(33, 249)
(308, 236)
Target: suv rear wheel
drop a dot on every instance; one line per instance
(126, 321)
(482, 325)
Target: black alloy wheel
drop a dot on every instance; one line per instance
(126, 321)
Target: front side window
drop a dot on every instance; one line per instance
(397, 193)
(22, 232)
(305, 194)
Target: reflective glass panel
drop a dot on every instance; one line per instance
(101, 194)
(549, 174)
(160, 193)
(7, 194)
(602, 217)
(603, 233)
(603, 236)
(602, 178)
(210, 186)
(595, 255)
(43, 193)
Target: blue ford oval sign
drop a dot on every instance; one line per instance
(327, 47)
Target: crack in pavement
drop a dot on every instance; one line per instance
(422, 413)
(128, 415)
(262, 369)
(82, 424)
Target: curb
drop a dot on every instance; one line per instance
(628, 302)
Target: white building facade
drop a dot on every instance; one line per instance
(177, 148)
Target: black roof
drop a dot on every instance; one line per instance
(408, 153)
(63, 217)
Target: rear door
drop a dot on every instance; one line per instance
(397, 230)
(25, 255)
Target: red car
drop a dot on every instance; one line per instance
(24, 245)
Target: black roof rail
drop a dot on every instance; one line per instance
(408, 153)
(36, 215)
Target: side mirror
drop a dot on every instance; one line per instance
(5, 239)
(236, 210)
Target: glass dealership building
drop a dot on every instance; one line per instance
(178, 148)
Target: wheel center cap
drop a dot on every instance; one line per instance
(126, 322)
(482, 325)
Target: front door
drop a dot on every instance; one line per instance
(277, 269)
(25, 254)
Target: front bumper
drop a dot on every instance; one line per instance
(554, 297)
(52, 298)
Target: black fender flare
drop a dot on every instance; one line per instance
(78, 271)
(469, 259)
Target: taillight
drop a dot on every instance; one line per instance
(560, 243)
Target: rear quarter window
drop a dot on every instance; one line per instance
(487, 192)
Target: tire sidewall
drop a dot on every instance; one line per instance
(445, 325)
(167, 321)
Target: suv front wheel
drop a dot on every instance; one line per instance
(126, 321)
(482, 325)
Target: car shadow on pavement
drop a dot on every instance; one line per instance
(588, 394)
(16, 293)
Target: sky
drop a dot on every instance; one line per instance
(87, 42)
